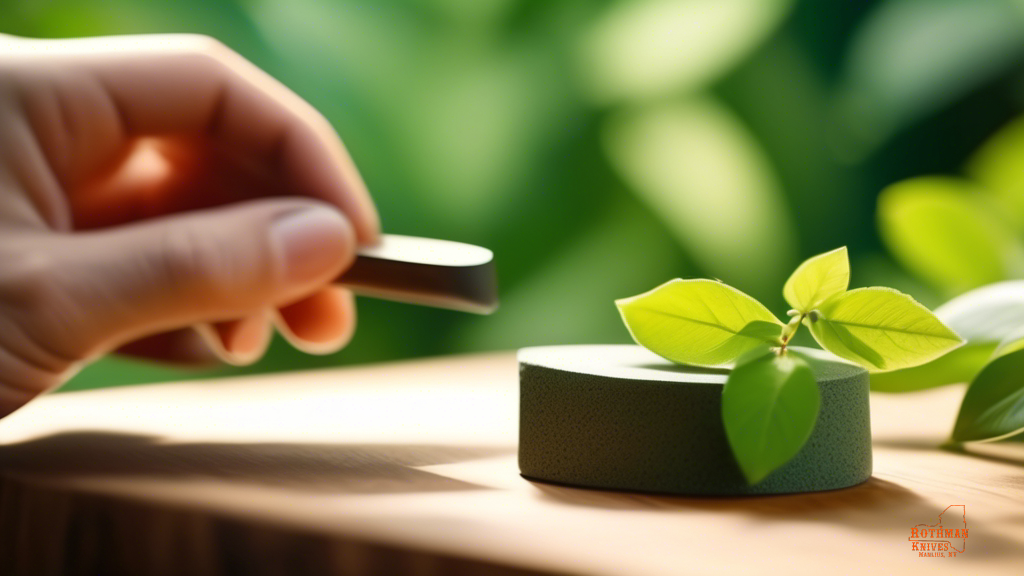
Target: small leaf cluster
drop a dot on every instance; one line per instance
(771, 399)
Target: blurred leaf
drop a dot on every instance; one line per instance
(986, 315)
(705, 175)
(644, 48)
(471, 11)
(448, 129)
(568, 299)
(993, 407)
(769, 408)
(880, 269)
(956, 367)
(997, 165)
(937, 228)
(347, 42)
(1010, 344)
(786, 103)
(912, 57)
(698, 322)
(478, 127)
(882, 329)
(348, 60)
(817, 279)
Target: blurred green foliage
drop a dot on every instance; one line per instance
(945, 230)
(964, 236)
(601, 147)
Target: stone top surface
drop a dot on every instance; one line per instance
(632, 362)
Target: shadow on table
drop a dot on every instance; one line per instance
(875, 494)
(1009, 451)
(877, 506)
(343, 468)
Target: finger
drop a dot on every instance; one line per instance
(321, 323)
(179, 85)
(239, 342)
(184, 347)
(22, 381)
(23, 166)
(112, 286)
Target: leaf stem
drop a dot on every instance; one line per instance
(790, 330)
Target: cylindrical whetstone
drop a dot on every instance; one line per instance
(620, 417)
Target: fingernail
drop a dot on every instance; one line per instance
(312, 242)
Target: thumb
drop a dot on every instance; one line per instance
(204, 266)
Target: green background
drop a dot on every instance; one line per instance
(603, 147)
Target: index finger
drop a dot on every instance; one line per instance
(183, 84)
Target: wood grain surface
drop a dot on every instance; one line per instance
(410, 468)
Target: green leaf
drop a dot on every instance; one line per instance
(769, 407)
(939, 229)
(698, 322)
(818, 279)
(996, 165)
(881, 329)
(993, 407)
(986, 317)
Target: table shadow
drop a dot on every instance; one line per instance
(341, 468)
(1009, 451)
(879, 507)
(875, 493)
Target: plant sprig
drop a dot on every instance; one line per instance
(771, 400)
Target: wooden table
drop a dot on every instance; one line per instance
(409, 468)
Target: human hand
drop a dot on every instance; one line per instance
(149, 184)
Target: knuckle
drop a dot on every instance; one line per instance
(201, 43)
(28, 281)
(26, 381)
(207, 47)
(184, 258)
(22, 380)
(40, 315)
(198, 51)
(12, 398)
(8, 53)
(10, 80)
(197, 263)
(319, 122)
(7, 73)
